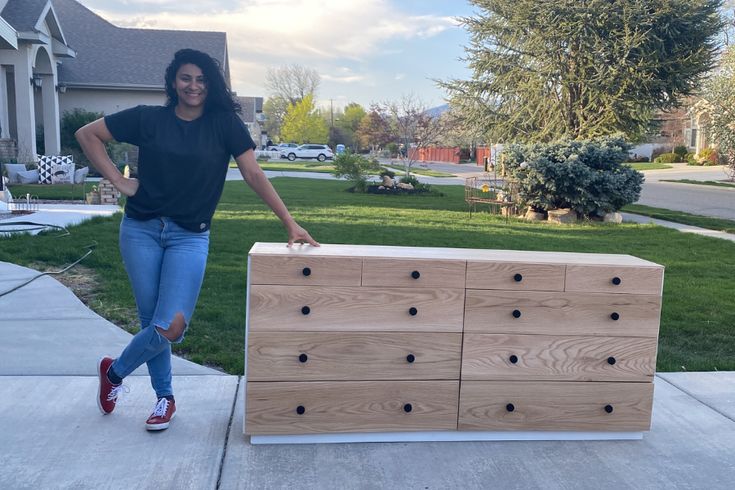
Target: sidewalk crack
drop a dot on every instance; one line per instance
(728, 417)
(227, 435)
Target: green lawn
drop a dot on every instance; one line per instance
(60, 192)
(417, 169)
(717, 224)
(698, 318)
(702, 182)
(648, 166)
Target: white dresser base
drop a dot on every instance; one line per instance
(445, 436)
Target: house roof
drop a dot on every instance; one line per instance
(23, 15)
(115, 57)
(250, 107)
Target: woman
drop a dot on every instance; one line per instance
(184, 153)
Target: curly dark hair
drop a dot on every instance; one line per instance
(219, 95)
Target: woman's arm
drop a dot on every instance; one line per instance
(256, 179)
(92, 139)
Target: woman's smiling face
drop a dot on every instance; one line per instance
(190, 86)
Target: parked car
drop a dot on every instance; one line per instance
(320, 152)
(284, 148)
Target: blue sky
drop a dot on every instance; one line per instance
(365, 50)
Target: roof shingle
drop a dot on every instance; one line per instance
(108, 55)
(23, 14)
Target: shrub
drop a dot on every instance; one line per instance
(681, 152)
(587, 176)
(355, 168)
(668, 158)
(708, 156)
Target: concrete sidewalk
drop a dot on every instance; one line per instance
(53, 436)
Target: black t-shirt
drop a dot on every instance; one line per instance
(182, 165)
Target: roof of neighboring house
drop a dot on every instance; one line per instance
(111, 56)
(250, 107)
(23, 14)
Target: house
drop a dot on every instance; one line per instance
(57, 55)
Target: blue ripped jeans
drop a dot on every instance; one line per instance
(165, 264)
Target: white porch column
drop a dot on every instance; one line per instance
(24, 108)
(4, 120)
(51, 129)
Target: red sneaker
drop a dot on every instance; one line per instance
(107, 393)
(163, 412)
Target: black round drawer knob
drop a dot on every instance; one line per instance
(415, 274)
(305, 310)
(410, 358)
(513, 359)
(616, 281)
(516, 313)
(609, 408)
(303, 358)
(615, 316)
(300, 410)
(306, 271)
(518, 278)
(510, 407)
(611, 360)
(412, 311)
(407, 408)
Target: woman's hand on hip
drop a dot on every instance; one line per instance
(127, 186)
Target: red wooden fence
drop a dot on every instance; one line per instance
(435, 154)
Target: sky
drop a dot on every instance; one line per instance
(364, 50)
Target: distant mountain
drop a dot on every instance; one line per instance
(437, 111)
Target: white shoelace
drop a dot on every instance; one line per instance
(161, 408)
(116, 392)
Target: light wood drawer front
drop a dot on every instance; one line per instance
(545, 357)
(304, 309)
(350, 406)
(305, 270)
(515, 276)
(487, 405)
(562, 313)
(635, 280)
(329, 356)
(413, 273)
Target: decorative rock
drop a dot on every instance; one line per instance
(387, 181)
(562, 216)
(613, 218)
(408, 187)
(532, 215)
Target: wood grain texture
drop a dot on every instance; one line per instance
(289, 270)
(555, 406)
(501, 275)
(330, 356)
(350, 406)
(599, 278)
(562, 313)
(556, 358)
(397, 273)
(280, 308)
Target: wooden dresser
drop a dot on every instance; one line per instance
(371, 343)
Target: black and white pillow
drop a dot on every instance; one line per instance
(55, 169)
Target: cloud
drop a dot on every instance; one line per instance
(307, 29)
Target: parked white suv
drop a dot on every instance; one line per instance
(320, 152)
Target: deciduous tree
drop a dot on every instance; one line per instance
(302, 123)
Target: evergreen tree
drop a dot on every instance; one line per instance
(549, 69)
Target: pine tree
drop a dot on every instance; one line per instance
(550, 69)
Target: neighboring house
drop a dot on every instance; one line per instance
(252, 116)
(57, 55)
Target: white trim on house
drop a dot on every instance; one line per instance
(8, 34)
